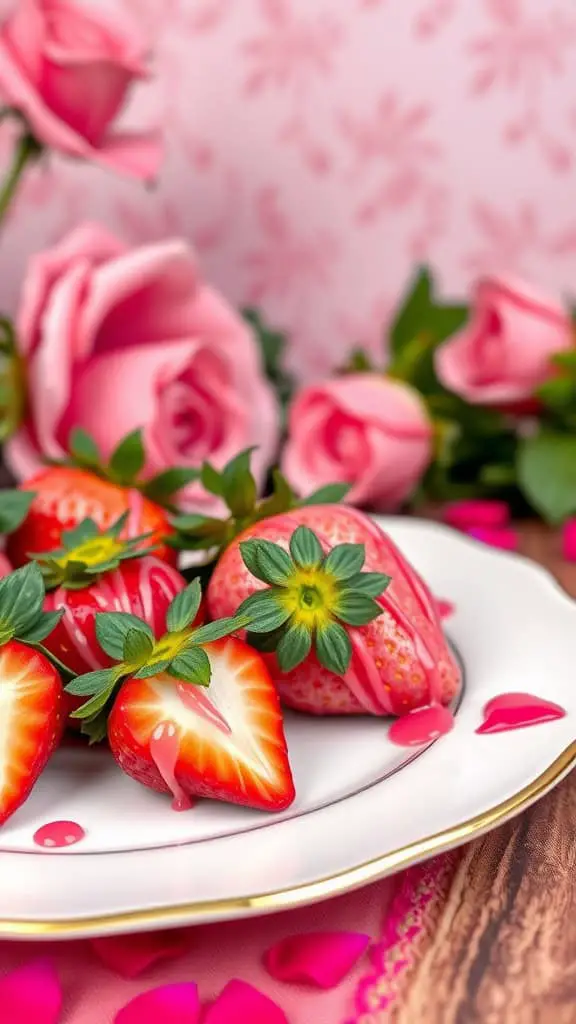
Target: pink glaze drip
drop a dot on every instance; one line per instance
(421, 726)
(164, 750)
(57, 834)
(363, 679)
(194, 698)
(516, 711)
(445, 608)
(135, 506)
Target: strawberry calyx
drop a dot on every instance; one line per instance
(88, 552)
(126, 465)
(22, 615)
(236, 487)
(311, 599)
(131, 643)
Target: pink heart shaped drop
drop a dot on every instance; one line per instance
(516, 711)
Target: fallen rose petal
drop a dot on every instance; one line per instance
(130, 955)
(241, 1003)
(321, 959)
(445, 608)
(476, 512)
(569, 541)
(504, 538)
(168, 1004)
(31, 993)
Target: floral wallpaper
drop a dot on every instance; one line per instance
(317, 149)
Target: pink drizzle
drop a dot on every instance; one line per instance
(57, 834)
(517, 711)
(194, 698)
(164, 750)
(421, 726)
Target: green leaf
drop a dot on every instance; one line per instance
(293, 648)
(212, 480)
(14, 507)
(96, 703)
(42, 628)
(83, 448)
(356, 609)
(558, 393)
(411, 315)
(305, 548)
(155, 668)
(281, 500)
(331, 494)
(333, 648)
(273, 564)
(184, 607)
(547, 474)
(164, 485)
(95, 728)
(238, 485)
(345, 560)
(128, 458)
(249, 554)
(265, 642)
(112, 629)
(216, 630)
(91, 683)
(85, 530)
(21, 598)
(200, 526)
(192, 665)
(371, 583)
(137, 647)
(264, 612)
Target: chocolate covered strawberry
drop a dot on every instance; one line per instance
(94, 571)
(62, 496)
(194, 712)
(353, 626)
(31, 694)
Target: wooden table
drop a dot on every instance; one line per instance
(502, 948)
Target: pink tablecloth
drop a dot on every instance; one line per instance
(392, 912)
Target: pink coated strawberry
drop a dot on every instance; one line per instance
(400, 659)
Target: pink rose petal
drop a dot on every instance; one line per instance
(505, 539)
(321, 959)
(569, 541)
(168, 1004)
(130, 955)
(477, 512)
(445, 608)
(241, 1003)
(31, 993)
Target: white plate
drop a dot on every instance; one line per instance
(364, 807)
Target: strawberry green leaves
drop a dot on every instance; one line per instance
(130, 642)
(14, 507)
(21, 607)
(310, 600)
(236, 487)
(87, 552)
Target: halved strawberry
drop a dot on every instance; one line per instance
(225, 742)
(31, 721)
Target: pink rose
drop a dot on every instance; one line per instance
(117, 338)
(503, 353)
(67, 71)
(361, 428)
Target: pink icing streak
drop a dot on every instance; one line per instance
(57, 834)
(194, 698)
(516, 711)
(135, 505)
(421, 726)
(164, 750)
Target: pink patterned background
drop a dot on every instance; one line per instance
(316, 149)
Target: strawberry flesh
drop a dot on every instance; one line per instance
(225, 742)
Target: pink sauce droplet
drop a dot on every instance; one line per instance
(164, 750)
(194, 698)
(57, 834)
(445, 608)
(421, 726)
(516, 711)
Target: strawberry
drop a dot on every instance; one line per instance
(377, 648)
(62, 496)
(227, 743)
(31, 694)
(96, 571)
(169, 732)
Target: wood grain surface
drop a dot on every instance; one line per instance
(503, 946)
